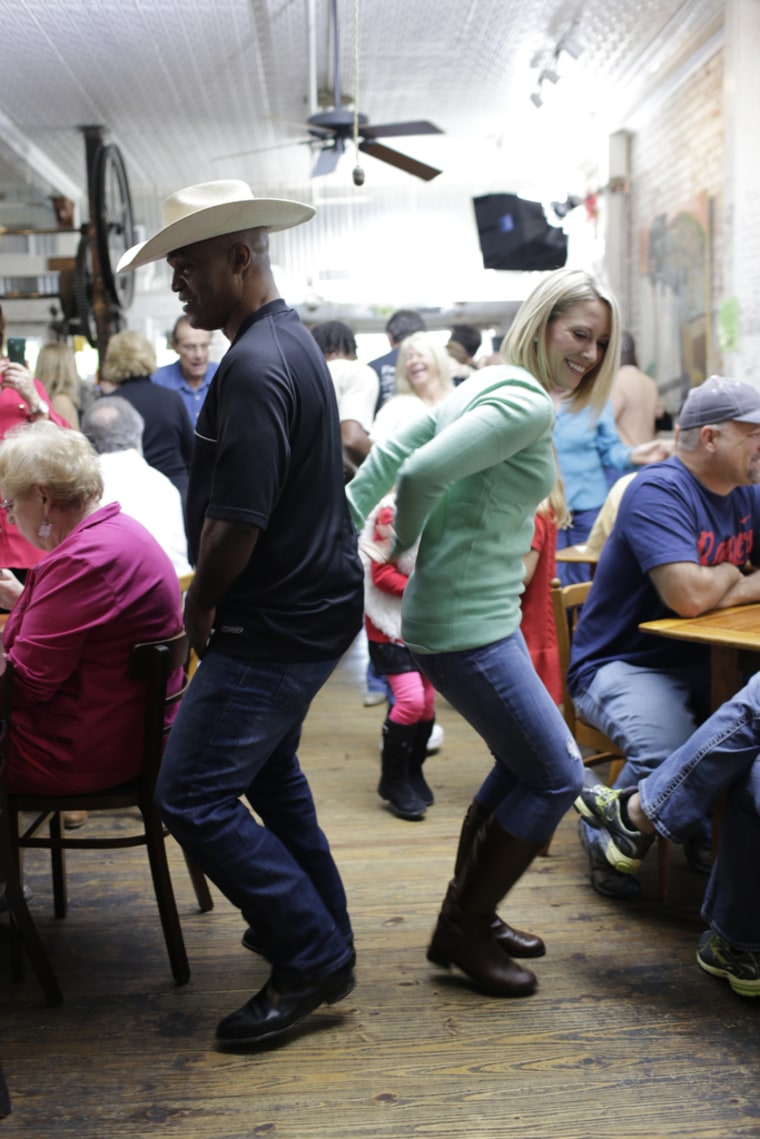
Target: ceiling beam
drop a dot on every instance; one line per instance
(27, 158)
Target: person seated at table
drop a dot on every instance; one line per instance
(686, 527)
(721, 757)
(102, 585)
(168, 434)
(605, 519)
(114, 428)
(588, 446)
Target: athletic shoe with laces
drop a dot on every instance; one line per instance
(740, 967)
(623, 847)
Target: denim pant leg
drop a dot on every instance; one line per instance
(538, 770)
(730, 903)
(648, 713)
(721, 756)
(230, 728)
(281, 797)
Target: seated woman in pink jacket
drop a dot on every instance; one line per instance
(102, 584)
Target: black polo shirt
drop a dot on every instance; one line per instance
(268, 453)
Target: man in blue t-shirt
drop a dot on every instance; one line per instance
(684, 534)
(191, 374)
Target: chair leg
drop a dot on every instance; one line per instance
(58, 866)
(200, 885)
(5, 1099)
(167, 905)
(663, 867)
(25, 931)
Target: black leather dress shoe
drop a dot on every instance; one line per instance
(281, 1004)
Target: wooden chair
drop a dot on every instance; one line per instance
(596, 747)
(24, 933)
(192, 658)
(153, 663)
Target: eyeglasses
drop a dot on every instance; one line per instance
(7, 504)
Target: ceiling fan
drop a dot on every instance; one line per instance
(337, 127)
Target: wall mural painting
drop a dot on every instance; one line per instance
(675, 342)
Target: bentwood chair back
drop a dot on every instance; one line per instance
(153, 663)
(596, 747)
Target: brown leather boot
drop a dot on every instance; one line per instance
(463, 936)
(515, 942)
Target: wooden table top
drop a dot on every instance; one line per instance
(578, 553)
(737, 627)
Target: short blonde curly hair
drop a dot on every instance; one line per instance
(435, 355)
(128, 354)
(45, 455)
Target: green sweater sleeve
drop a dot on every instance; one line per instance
(378, 472)
(496, 427)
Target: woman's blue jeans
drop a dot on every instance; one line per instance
(538, 770)
(721, 756)
(236, 735)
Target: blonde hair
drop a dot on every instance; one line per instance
(128, 354)
(525, 342)
(435, 355)
(43, 454)
(56, 370)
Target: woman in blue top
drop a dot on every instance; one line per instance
(587, 446)
(469, 476)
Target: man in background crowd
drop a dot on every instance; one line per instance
(191, 373)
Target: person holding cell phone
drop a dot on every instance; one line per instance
(22, 400)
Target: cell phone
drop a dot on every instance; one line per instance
(17, 349)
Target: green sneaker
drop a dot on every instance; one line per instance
(623, 848)
(740, 967)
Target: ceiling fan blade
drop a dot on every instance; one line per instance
(402, 161)
(326, 161)
(389, 130)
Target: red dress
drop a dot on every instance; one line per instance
(537, 624)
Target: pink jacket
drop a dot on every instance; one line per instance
(76, 723)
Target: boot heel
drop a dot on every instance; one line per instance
(436, 956)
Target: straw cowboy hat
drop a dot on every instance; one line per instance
(211, 209)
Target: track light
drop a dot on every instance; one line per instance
(571, 46)
(536, 99)
(550, 74)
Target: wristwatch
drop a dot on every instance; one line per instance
(41, 409)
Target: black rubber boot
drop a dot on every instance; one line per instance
(515, 942)
(395, 784)
(417, 757)
(463, 937)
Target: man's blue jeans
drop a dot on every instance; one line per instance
(236, 735)
(647, 712)
(538, 770)
(721, 756)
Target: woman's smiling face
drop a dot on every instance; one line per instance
(576, 342)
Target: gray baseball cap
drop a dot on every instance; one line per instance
(719, 399)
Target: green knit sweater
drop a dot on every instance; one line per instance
(469, 476)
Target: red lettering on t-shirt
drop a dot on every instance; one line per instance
(735, 549)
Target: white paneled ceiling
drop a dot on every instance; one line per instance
(192, 90)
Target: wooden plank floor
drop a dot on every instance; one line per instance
(624, 1037)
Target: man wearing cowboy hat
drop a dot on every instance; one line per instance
(275, 601)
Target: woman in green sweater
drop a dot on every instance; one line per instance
(469, 476)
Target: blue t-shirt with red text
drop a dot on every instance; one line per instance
(666, 515)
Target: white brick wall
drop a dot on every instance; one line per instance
(677, 164)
